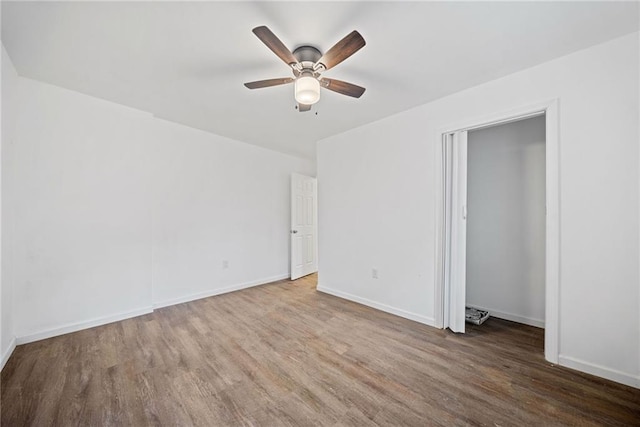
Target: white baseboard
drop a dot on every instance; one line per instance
(73, 327)
(379, 306)
(214, 292)
(538, 323)
(7, 354)
(600, 371)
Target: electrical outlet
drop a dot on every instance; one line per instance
(225, 264)
(374, 273)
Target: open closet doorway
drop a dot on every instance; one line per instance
(506, 221)
(498, 229)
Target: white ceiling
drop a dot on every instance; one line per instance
(187, 62)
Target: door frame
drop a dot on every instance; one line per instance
(550, 109)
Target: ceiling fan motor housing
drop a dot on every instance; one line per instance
(307, 55)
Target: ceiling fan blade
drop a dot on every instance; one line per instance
(268, 83)
(303, 107)
(346, 47)
(275, 44)
(344, 88)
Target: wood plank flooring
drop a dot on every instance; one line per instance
(285, 354)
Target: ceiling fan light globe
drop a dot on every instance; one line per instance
(307, 90)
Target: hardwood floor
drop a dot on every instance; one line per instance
(284, 354)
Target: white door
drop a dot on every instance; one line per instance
(304, 227)
(458, 238)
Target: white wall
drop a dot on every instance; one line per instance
(214, 200)
(115, 211)
(506, 220)
(81, 201)
(9, 105)
(377, 202)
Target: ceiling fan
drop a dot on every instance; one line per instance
(307, 64)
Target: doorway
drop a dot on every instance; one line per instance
(454, 228)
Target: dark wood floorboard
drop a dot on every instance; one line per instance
(284, 354)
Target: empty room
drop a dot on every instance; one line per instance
(350, 213)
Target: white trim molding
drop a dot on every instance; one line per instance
(379, 306)
(78, 326)
(220, 291)
(7, 354)
(600, 371)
